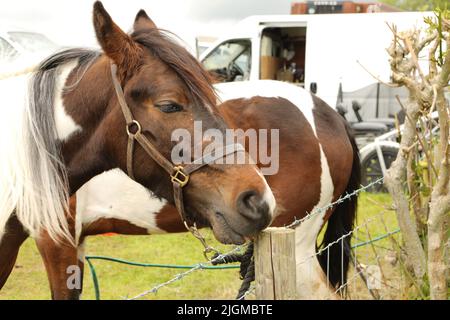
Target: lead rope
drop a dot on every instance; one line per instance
(247, 267)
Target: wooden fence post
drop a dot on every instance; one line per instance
(275, 267)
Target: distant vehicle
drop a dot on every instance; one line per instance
(377, 156)
(318, 52)
(202, 43)
(16, 43)
(22, 50)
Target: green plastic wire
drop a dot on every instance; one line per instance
(174, 266)
(360, 244)
(140, 264)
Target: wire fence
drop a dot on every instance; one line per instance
(370, 275)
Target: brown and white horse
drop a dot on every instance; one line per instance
(71, 128)
(318, 162)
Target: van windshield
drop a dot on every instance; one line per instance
(32, 42)
(230, 61)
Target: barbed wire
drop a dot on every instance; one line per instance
(294, 224)
(348, 234)
(337, 241)
(341, 287)
(179, 276)
(341, 199)
(248, 292)
(297, 222)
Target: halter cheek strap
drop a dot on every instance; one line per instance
(179, 175)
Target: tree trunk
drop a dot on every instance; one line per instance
(440, 206)
(437, 239)
(394, 179)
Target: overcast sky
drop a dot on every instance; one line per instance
(68, 22)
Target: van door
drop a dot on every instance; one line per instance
(230, 61)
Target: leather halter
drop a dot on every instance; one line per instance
(179, 175)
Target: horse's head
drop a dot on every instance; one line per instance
(166, 89)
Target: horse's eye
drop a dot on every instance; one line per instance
(169, 107)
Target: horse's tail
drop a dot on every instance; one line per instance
(341, 221)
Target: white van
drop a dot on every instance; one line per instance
(319, 52)
(335, 56)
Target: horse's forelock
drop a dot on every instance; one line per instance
(186, 66)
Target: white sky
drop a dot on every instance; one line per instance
(69, 22)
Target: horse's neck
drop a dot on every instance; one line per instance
(86, 98)
(85, 105)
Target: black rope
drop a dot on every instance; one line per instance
(248, 279)
(226, 258)
(247, 268)
(246, 260)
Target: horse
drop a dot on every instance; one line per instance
(319, 162)
(88, 111)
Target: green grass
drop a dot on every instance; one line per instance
(117, 281)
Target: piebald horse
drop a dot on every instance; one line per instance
(73, 124)
(318, 162)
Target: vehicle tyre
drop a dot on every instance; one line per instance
(371, 168)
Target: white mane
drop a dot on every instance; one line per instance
(31, 183)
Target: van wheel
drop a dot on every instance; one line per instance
(371, 168)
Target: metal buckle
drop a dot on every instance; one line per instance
(137, 124)
(179, 176)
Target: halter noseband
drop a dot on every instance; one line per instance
(179, 175)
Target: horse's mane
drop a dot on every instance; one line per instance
(33, 180)
(188, 68)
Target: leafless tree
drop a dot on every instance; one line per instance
(418, 179)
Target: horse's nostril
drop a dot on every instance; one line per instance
(250, 200)
(252, 206)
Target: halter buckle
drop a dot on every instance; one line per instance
(138, 128)
(178, 176)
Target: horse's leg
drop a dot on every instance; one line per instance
(62, 265)
(9, 247)
(312, 282)
(62, 261)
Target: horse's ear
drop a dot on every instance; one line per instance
(143, 21)
(115, 43)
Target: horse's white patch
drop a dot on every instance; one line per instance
(65, 125)
(268, 194)
(300, 97)
(114, 195)
(270, 200)
(311, 283)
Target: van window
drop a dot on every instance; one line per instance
(230, 61)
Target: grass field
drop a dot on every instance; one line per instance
(117, 281)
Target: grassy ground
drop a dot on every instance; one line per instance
(117, 281)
